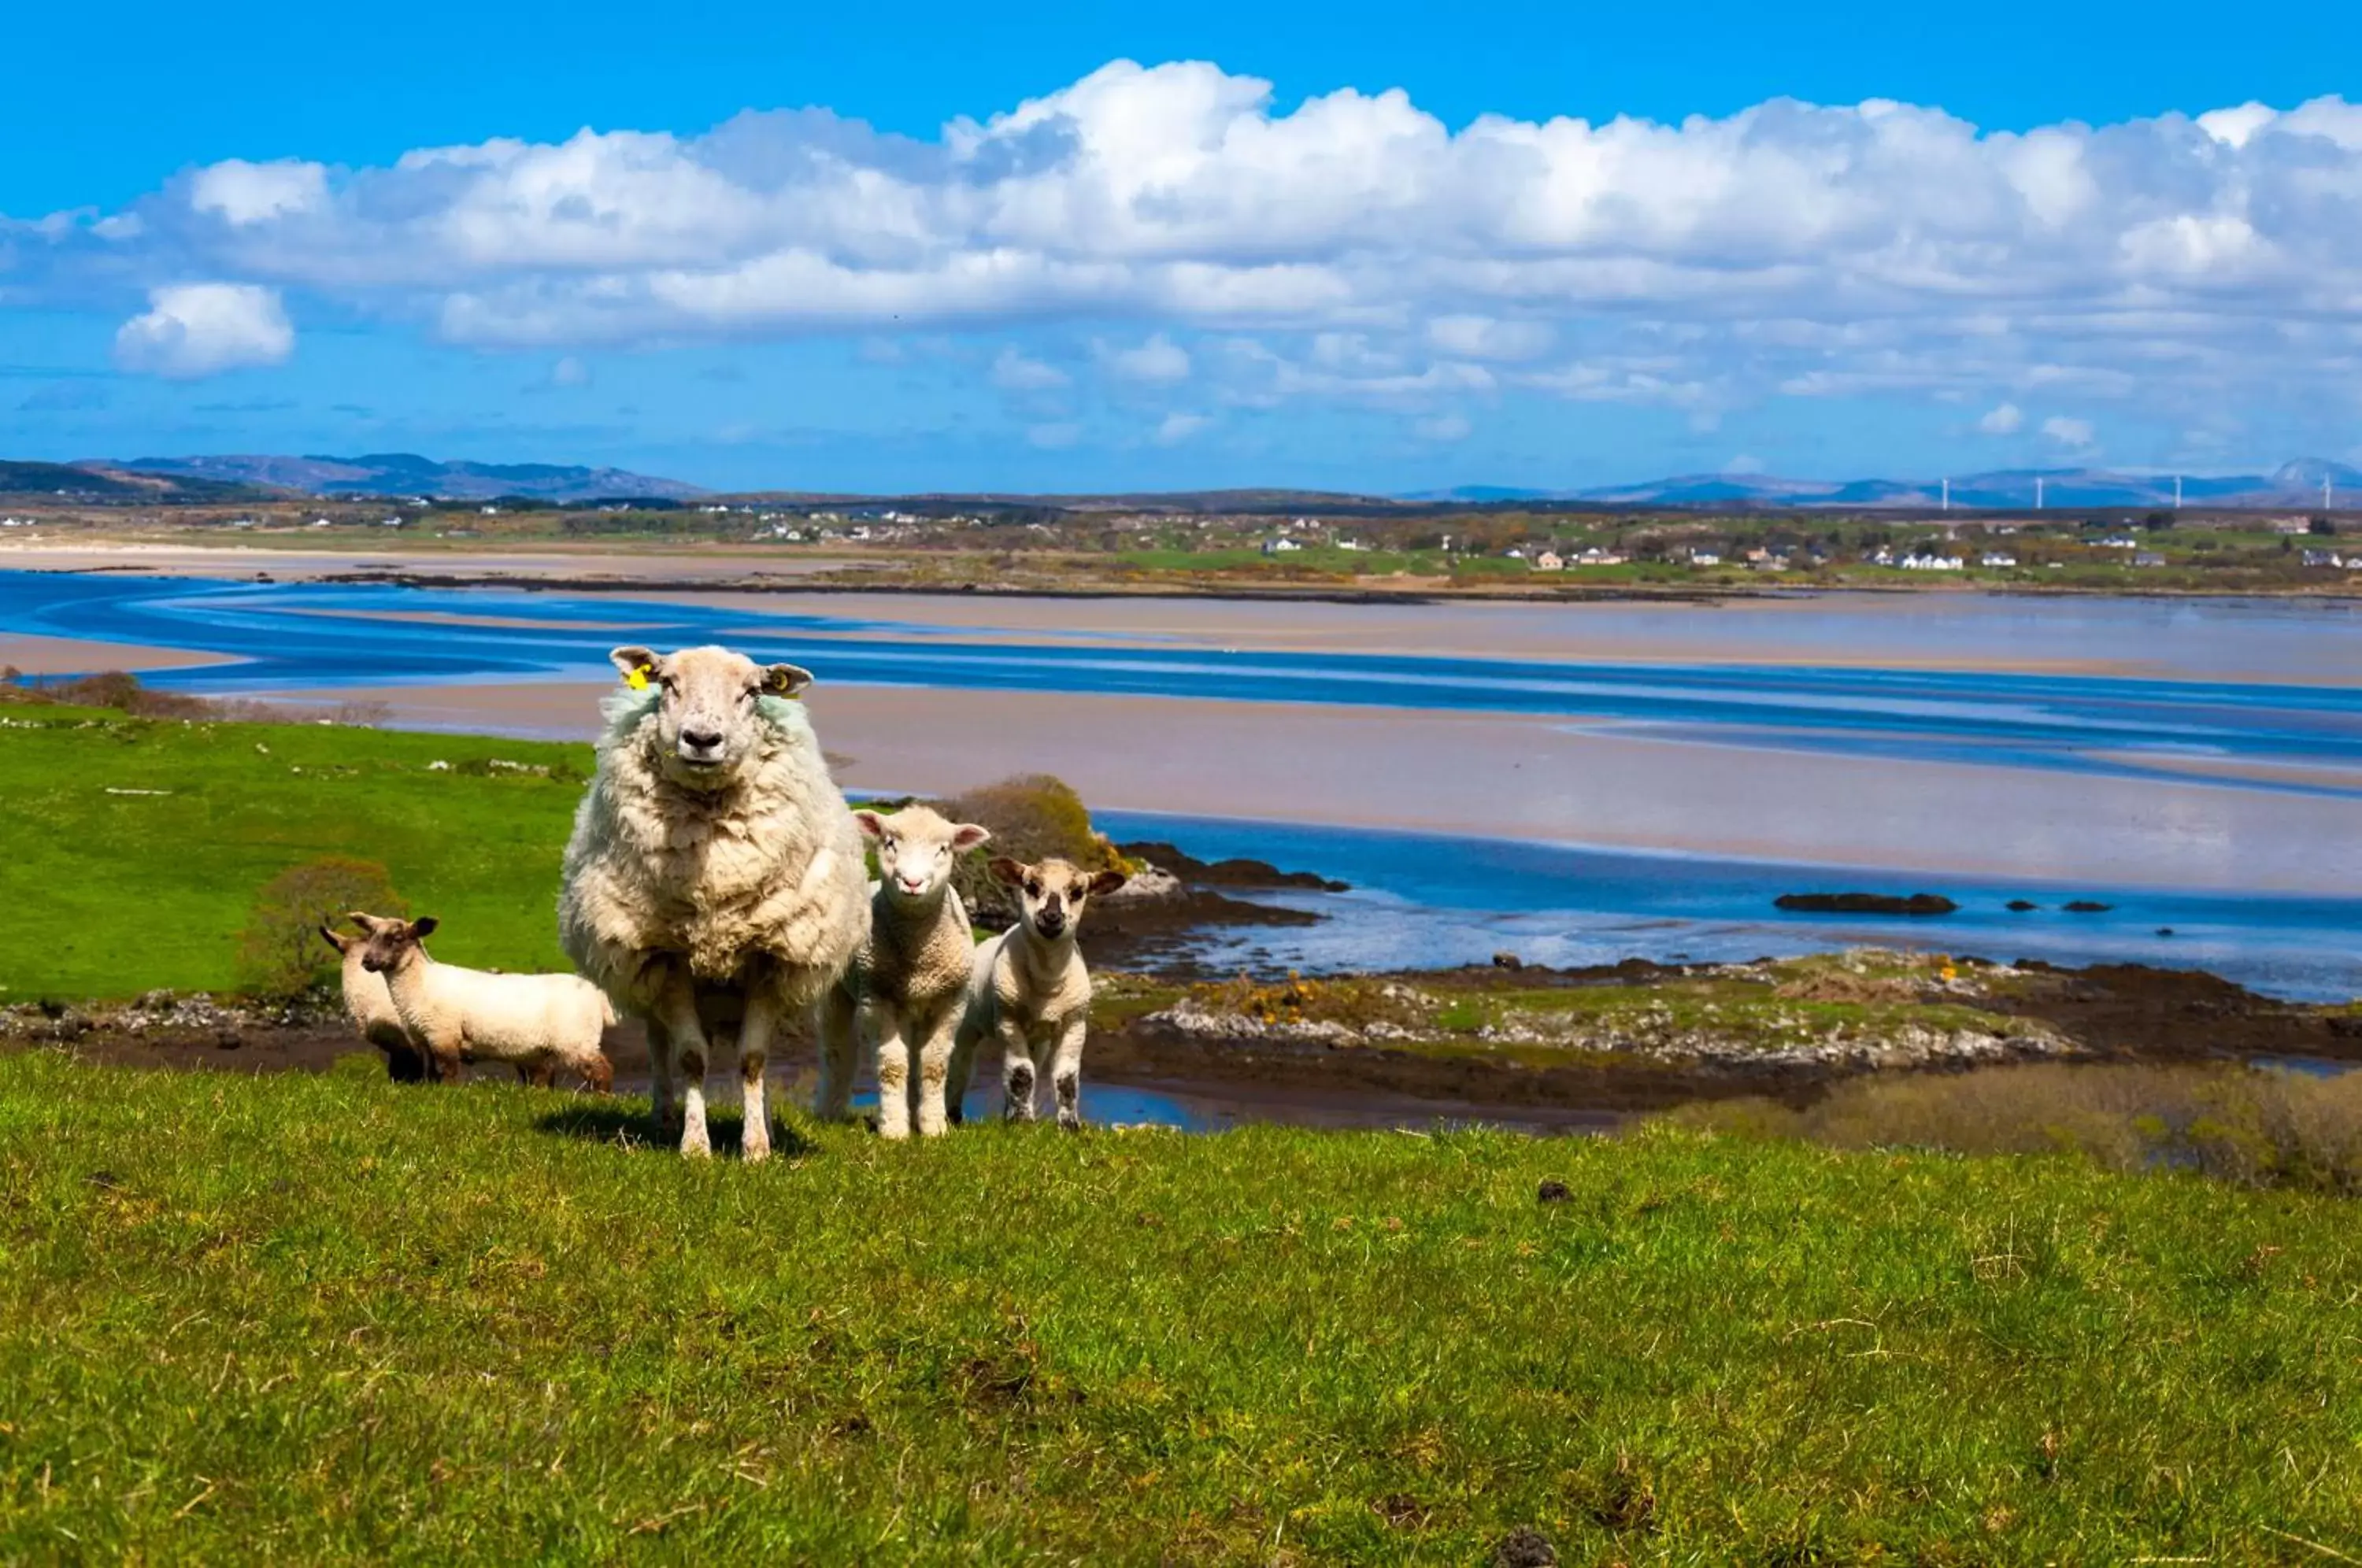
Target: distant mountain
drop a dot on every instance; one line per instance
(111, 484)
(2294, 485)
(405, 473)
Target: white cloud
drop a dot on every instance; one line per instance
(1444, 428)
(1012, 371)
(2073, 433)
(570, 371)
(1745, 463)
(1179, 428)
(2001, 419)
(1158, 360)
(1054, 437)
(1787, 249)
(199, 329)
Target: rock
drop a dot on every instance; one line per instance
(2086, 906)
(1508, 961)
(1524, 1547)
(1148, 882)
(2165, 931)
(2021, 905)
(1553, 1191)
(1233, 873)
(1866, 903)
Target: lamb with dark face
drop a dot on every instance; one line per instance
(1029, 989)
(537, 1024)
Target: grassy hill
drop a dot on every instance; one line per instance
(137, 846)
(325, 1319)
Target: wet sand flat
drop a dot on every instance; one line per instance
(66, 656)
(1539, 778)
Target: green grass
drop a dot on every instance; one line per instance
(109, 895)
(320, 1319)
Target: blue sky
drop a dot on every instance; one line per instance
(1258, 268)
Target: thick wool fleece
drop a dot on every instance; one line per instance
(766, 864)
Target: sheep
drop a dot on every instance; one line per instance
(909, 985)
(372, 1009)
(537, 1023)
(712, 868)
(1030, 990)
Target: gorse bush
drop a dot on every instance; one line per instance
(1032, 817)
(280, 951)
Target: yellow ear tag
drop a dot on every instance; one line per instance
(638, 678)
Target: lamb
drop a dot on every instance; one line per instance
(909, 985)
(1030, 990)
(537, 1023)
(372, 1009)
(713, 868)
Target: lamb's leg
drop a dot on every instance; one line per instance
(1018, 1079)
(1066, 1074)
(893, 1071)
(960, 1072)
(676, 1009)
(754, 1050)
(835, 1026)
(935, 1070)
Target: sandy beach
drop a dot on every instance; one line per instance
(67, 656)
(1508, 776)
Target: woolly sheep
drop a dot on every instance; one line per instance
(537, 1024)
(372, 1009)
(1029, 989)
(714, 867)
(909, 985)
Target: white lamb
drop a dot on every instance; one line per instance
(537, 1024)
(372, 1009)
(1030, 990)
(714, 868)
(909, 985)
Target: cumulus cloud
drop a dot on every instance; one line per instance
(570, 371)
(1158, 360)
(2076, 435)
(200, 329)
(1012, 371)
(2001, 419)
(1177, 428)
(1787, 249)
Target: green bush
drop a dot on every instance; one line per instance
(1032, 817)
(280, 951)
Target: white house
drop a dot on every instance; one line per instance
(1705, 558)
(1279, 547)
(1916, 562)
(1998, 559)
(1550, 561)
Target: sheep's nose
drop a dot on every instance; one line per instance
(703, 740)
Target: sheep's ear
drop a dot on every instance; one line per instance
(423, 927)
(785, 680)
(1108, 881)
(366, 922)
(967, 836)
(1009, 871)
(872, 824)
(630, 662)
(334, 941)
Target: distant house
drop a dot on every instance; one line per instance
(1550, 561)
(2118, 542)
(1998, 559)
(1916, 562)
(1598, 556)
(1883, 556)
(1705, 558)
(1279, 547)
(2322, 557)
(2147, 557)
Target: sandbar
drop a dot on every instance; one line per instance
(36, 655)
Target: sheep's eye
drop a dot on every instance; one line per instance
(1034, 888)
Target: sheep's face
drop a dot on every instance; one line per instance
(1055, 891)
(706, 713)
(917, 850)
(388, 944)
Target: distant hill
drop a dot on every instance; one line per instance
(405, 473)
(2293, 485)
(110, 484)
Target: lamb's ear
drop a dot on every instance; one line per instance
(422, 928)
(631, 662)
(1009, 871)
(785, 680)
(334, 941)
(366, 922)
(872, 824)
(1108, 881)
(967, 836)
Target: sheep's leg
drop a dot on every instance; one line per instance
(754, 1049)
(959, 1073)
(893, 1072)
(834, 1025)
(1066, 1074)
(935, 1070)
(676, 1012)
(442, 1059)
(1018, 1077)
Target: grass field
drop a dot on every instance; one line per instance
(136, 847)
(319, 1319)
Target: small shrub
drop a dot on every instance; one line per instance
(280, 951)
(1032, 817)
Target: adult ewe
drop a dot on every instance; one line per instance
(712, 860)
